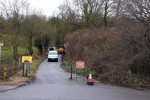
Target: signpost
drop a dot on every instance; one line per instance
(1, 44)
(26, 60)
(80, 64)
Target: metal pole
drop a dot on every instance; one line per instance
(71, 72)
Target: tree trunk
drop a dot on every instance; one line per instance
(15, 52)
(30, 47)
(43, 49)
(105, 15)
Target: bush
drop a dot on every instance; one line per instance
(115, 54)
(141, 66)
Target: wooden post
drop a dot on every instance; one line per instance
(19, 64)
(5, 72)
(1, 44)
(23, 70)
(13, 66)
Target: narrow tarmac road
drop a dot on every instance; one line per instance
(52, 83)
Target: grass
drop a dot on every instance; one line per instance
(8, 52)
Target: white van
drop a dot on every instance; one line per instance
(53, 55)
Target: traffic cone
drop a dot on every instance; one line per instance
(90, 81)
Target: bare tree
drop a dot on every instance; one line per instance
(30, 27)
(117, 8)
(13, 12)
(139, 10)
(105, 13)
(44, 31)
(134, 17)
(89, 9)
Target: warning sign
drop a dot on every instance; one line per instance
(28, 58)
(80, 64)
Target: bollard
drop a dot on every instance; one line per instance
(5, 72)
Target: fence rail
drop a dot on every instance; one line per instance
(7, 69)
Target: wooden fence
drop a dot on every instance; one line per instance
(9, 68)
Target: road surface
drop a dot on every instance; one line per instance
(52, 83)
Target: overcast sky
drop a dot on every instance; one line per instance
(49, 7)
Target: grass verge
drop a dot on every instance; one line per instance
(79, 71)
(18, 78)
(112, 77)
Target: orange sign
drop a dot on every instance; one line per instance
(80, 64)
